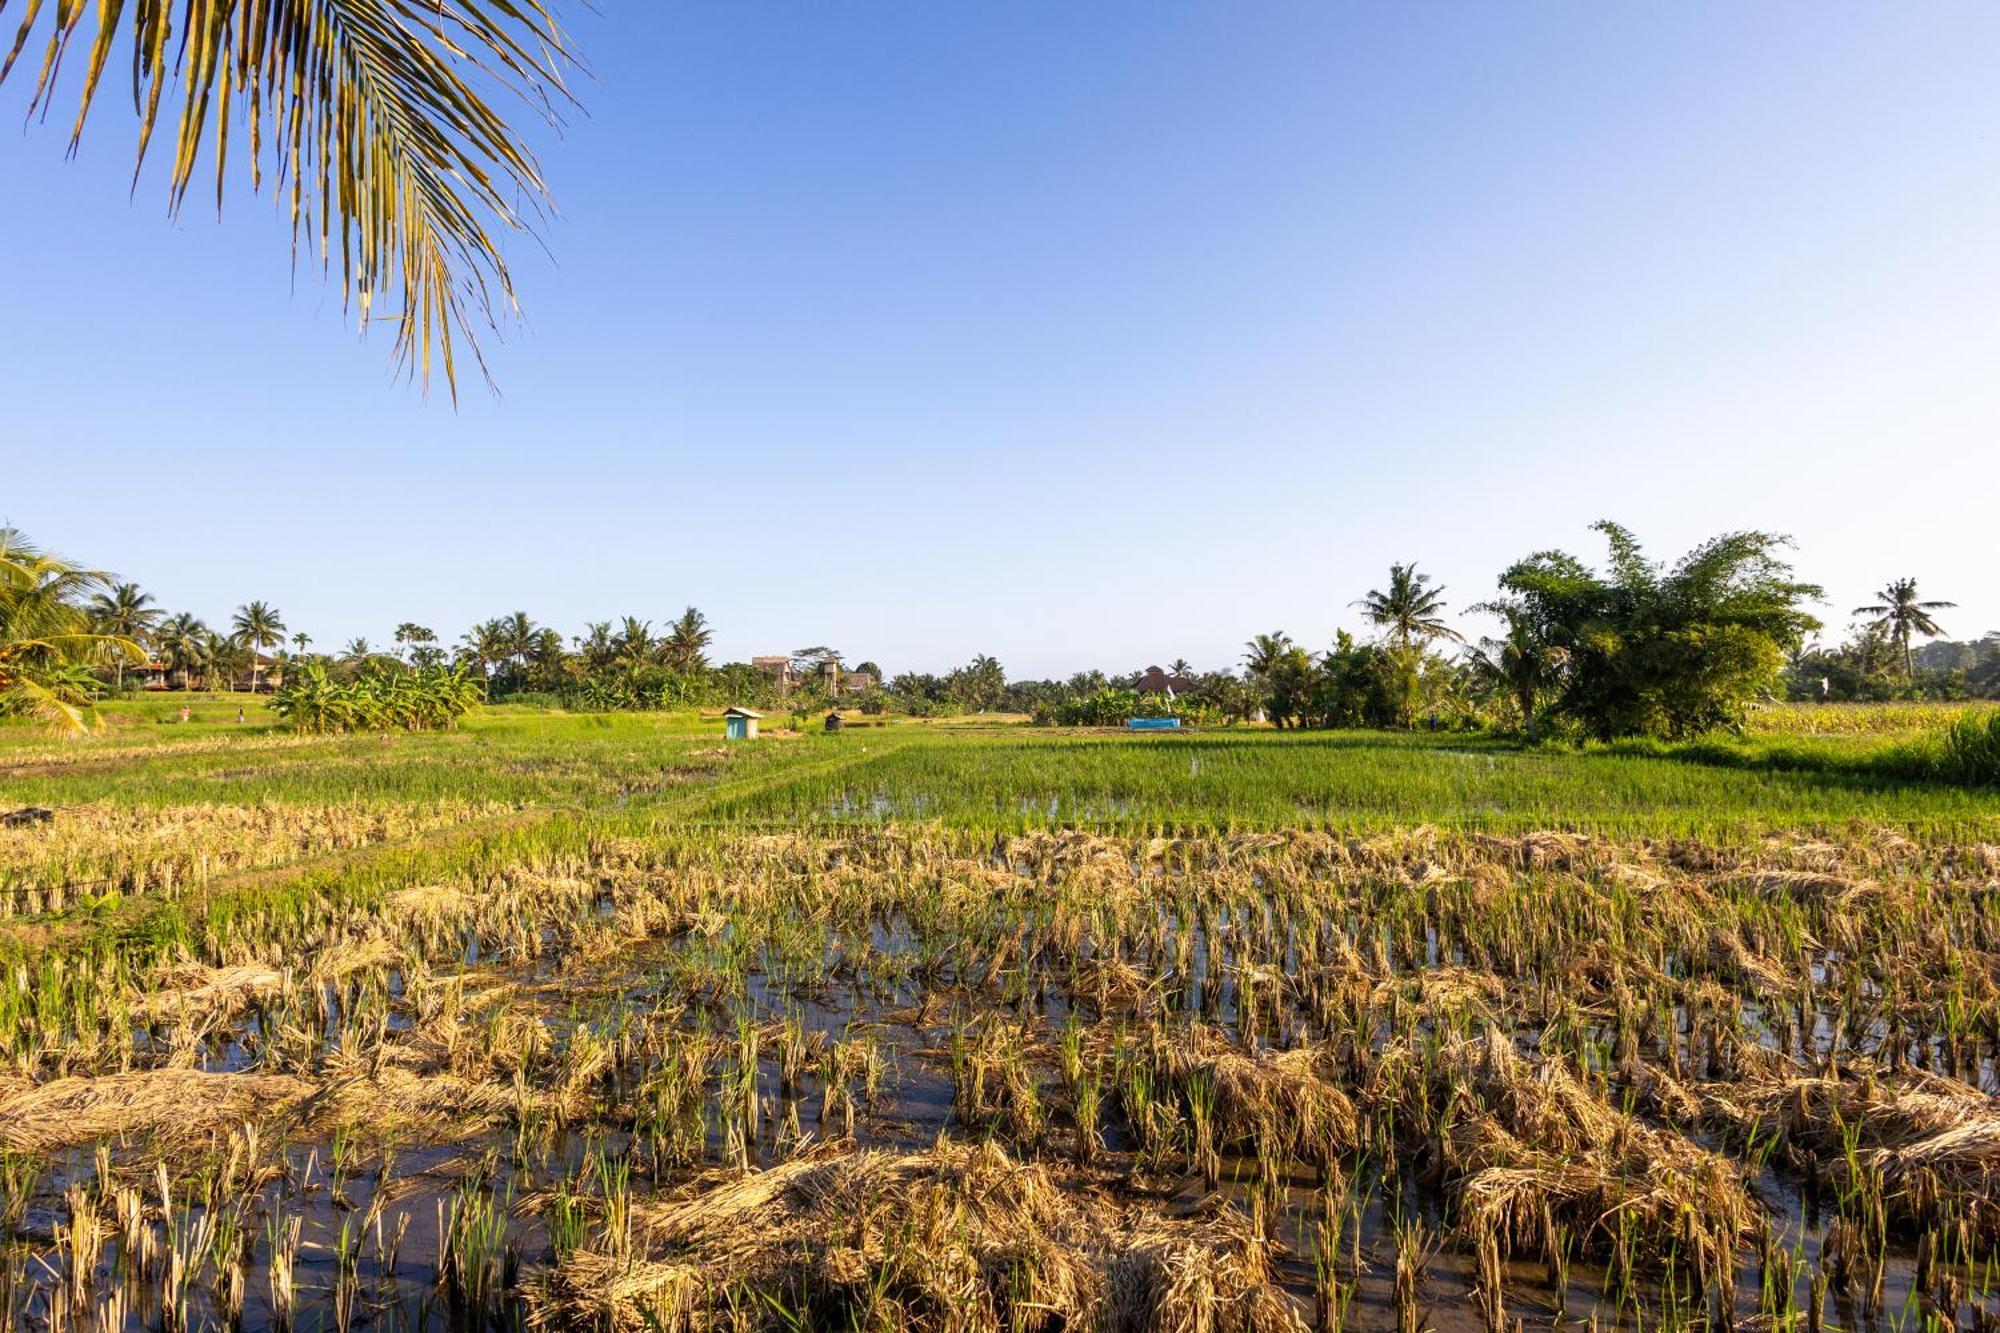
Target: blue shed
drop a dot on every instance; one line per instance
(740, 724)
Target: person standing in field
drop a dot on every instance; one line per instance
(184, 712)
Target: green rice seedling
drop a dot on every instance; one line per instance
(78, 1240)
(1087, 1111)
(1199, 1092)
(1415, 1246)
(187, 1245)
(567, 1222)
(614, 1231)
(470, 1252)
(346, 1268)
(1331, 1296)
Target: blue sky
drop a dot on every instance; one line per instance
(1084, 335)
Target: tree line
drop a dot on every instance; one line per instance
(1632, 647)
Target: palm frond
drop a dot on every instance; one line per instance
(374, 119)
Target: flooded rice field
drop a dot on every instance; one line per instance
(923, 1078)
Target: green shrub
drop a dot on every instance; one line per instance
(1970, 751)
(380, 699)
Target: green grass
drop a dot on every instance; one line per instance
(676, 767)
(1342, 780)
(540, 784)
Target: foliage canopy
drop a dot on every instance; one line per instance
(1652, 650)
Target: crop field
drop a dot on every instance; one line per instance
(597, 1022)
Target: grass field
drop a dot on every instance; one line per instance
(598, 1021)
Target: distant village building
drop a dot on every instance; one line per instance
(740, 724)
(157, 675)
(831, 676)
(1155, 681)
(778, 666)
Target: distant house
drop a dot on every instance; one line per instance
(778, 666)
(1155, 681)
(831, 676)
(157, 675)
(740, 724)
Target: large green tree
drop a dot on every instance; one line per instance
(979, 686)
(1519, 666)
(1901, 613)
(1262, 654)
(374, 122)
(1409, 610)
(48, 645)
(1673, 651)
(257, 626)
(687, 642)
(122, 611)
(186, 646)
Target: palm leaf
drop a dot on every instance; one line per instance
(374, 118)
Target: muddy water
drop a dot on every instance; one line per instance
(364, 1265)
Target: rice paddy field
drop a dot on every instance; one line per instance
(597, 1022)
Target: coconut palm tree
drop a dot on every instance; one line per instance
(1900, 614)
(485, 645)
(47, 641)
(227, 657)
(1262, 654)
(376, 117)
(1519, 665)
(596, 645)
(301, 641)
(185, 645)
(635, 641)
(687, 642)
(124, 612)
(518, 631)
(415, 639)
(257, 626)
(1411, 611)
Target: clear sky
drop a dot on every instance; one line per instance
(1083, 335)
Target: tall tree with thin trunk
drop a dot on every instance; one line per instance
(184, 644)
(257, 626)
(1262, 654)
(1521, 665)
(687, 642)
(415, 639)
(123, 611)
(1410, 610)
(1902, 613)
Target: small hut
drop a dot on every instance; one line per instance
(834, 721)
(740, 724)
